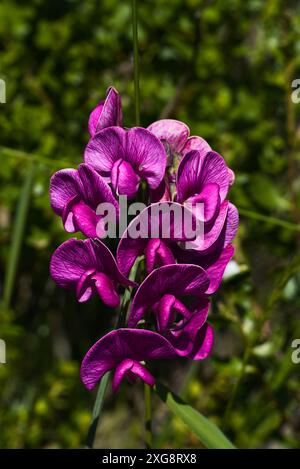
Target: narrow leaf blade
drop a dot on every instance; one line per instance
(207, 432)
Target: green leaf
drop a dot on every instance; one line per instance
(207, 432)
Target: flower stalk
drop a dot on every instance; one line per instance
(136, 62)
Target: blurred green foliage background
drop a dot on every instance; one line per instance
(223, 67)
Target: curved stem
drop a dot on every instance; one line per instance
(148, 416)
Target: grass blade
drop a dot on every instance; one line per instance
(207, 432)
(17, 237)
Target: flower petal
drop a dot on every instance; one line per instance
(85, 219)
(70, 261)
(95, 188)
(175, 279)
(64, 185)
(124, 180)
(174, 132)
(196, 143)
(147, 155)
(105, 262)
(157, 253)
(107, 113)
(106, 147)
(106, 289)
(214, 233)
(196, 170)
(94, 118)
(121, 344)
(168, 220)
(203, 343)
(213, 263)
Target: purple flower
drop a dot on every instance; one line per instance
(89, 267)
(184, 324)
(160, 225)
(75, 196)
(124, 157)
(122, 350)
(213, 263)
(159, 250)
(177, 136)
(107, 113)
(204, 178)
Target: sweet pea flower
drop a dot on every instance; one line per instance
(125, 157)
(162, 293)
(176, 135)
(88, 267)
(123, 350)
(107, 113)
(153, 234)
(75, 196)
(204, 179)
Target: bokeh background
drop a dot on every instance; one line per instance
(223, 67)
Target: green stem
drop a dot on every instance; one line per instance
(17, 237)
(13, 153)
(148, 416)
(136, 62)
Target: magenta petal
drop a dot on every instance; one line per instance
(152, 217)
(106, 289)
(147, 155)
(212, 233)
(94, 118)
(70, 261)
(84, 288)
(232, 223)
(164, 311)
(121, 344)
(196, 143)
(157, 253)
(105, 262)
(120, 372)
(174, 132)
(209, 197)
(85, 219)
(215, 271)
(203, 343)
(124, 180)
(213, 263)
(107, 113)
(196, 170)
(106, 147)
(74, 258)
(184, 339)
(231, 176)
(137, 146)
(95, 188)
(68, 216)
(64, 185)
(177, 279)
(141, 371)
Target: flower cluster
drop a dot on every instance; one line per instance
(170, 296)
